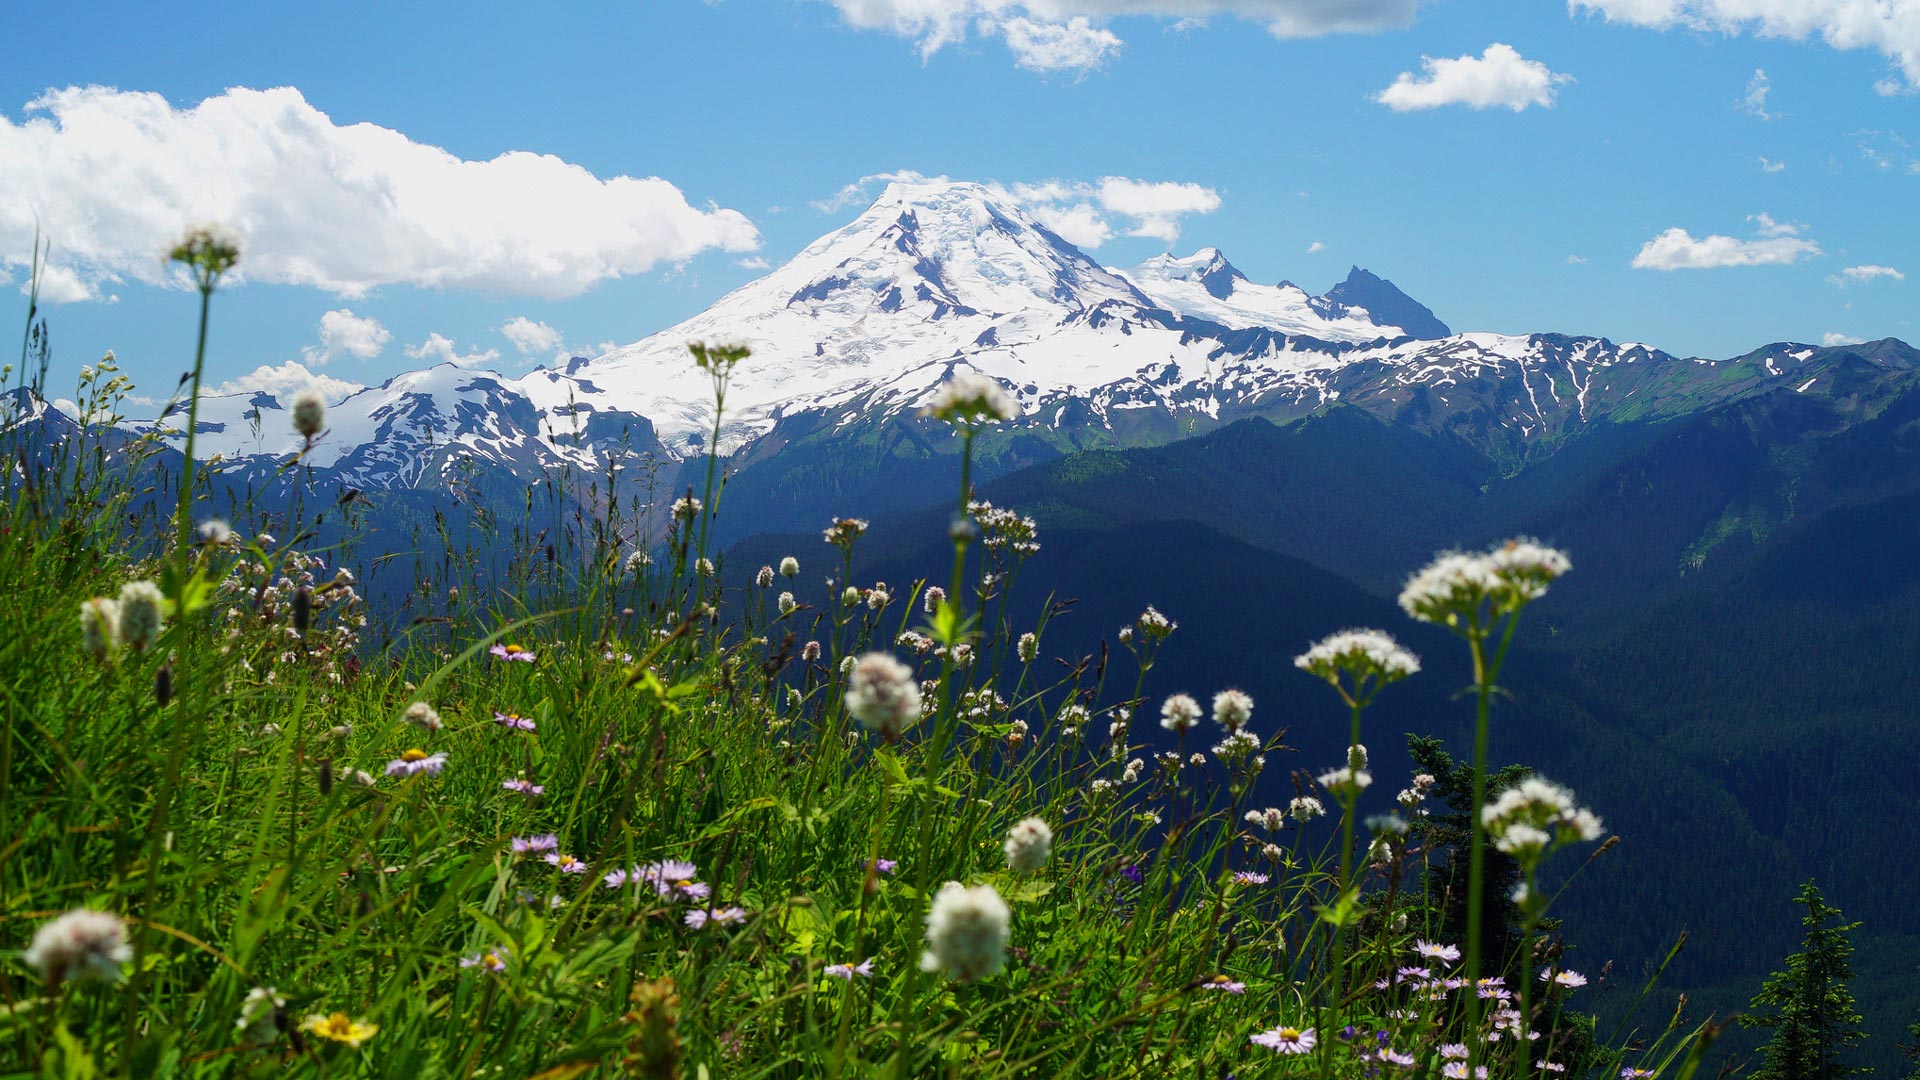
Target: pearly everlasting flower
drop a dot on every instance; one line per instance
(1029, 845)
(864, 969)
(1360, 655)
(966, 932)
(882, 695)
(1269, 819)
(81, 945)
(1028, 648)
(100, 627)
(309, 412)
(509, 651)
(1179, 714)
(878, 597)
(1286, 1040)
(260, 1016)
(141, 608)
(1232, 709)
(422, 715)
(414, 762)
(1306, 808)
(969, 397)
(789, 567)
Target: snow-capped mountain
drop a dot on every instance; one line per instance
(862, 325)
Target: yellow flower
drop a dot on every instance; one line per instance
(339, 1028)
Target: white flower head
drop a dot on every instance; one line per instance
(1360, 655)
(260, 1016)
(966, 932)
(141, 610)
(1179, 714)
(969, 398)
(80, 945)
(882, 695)
(789, 567)
(100, 627)
(1232, 709)
(423, 716)
(1028, 648)
(1029, 845)
(309, 412)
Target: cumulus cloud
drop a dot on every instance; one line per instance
(1498, 78)
(1085, 213)
(114, 177)
(1889, 27)
(1754, 101)
(343, 332)
(1768, 165)
(754, 262)
(1778, 244)
(439, 349)
(860, 190)
(1051, 35)
(1834, 337)
(1854, 275)
(1316, 248)
(285, 380)
(529, 337)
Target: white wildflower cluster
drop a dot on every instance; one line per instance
(1151, 625)
(961, 654)
(1073, 716)
(1411, 797)
(1019, 733)
(686, 508)
(1131, 774)
(882, 695)
(309, 411)
(1179, 714)
(217, 533)
(299, 590)
(877, 597)
(1305, 808)
(764, 579)
(1346, 781)
(261, 1016)
(1242, 748)
(1028, 648)
(789, 567)
(1535, 816)
(423, 716)
(1232, 709)
(1271, 819)
(1029, 845)
(969, 398)
(1359, 655)
(932, 599)
(966, 932)
(787, 604)
(636, 562)
(78, 946)
(1005, 530)
(981, 705)
(843, 532)
(916, 641)
(1457, 585)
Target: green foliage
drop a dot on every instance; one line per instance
(1808, 1006)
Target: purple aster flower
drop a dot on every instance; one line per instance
(1249, 877)
(1133, 874)
(674, 878)
(699, 918)
(415, 762)
(520, 785)
(1431, 951)
(1286, 1040)
(567, 864)
(507, 651)
(1224, 984)
(512, 720)
(864, 969)
(489, 960)
(884, 866)
(533, 845)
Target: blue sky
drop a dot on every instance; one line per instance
(1638, 117)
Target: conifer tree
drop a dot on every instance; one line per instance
(1808, 1005)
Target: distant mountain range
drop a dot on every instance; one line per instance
(855, 331)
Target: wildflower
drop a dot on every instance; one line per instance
(340, 1028)
(363, 778)
(1179, 714)
(488, 961)
(512, 720)
(851, 597)
(864, 969)
(885, 866)
(686, 508)
(533, 845)
(1232, 709)
(1395, 1057)
(1224, 984)
(1155, 625)
(789, 567)
(966, 932)
(141, 609)
(1432, 951)
(810, 652)
(1454, 1051)
(787, 603)
(422, 715)
(674, 879)
(1360, 655)
(566, 864)
(1457, 1070)
(1238, 747)
(764, 578)
(100, 627)
(1029, 845)
(968, 398)
(1269, 819)
(844, 531)
(80, 945)
(1028, 648)
(1346, 781)
(1286, 1040)
(638, 561)
(259, 1022)
(415, 761)
(1306, 808)
(882, 695)
(1571, 980)
(1457, 584)
(510, 651)
(1628, 1072)
(703, 567)
(216, 533)
(878, 597)
(1535, 816)
(700, 918)
(520, 785)
(210, 250)
(309, 412)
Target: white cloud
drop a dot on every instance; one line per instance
(1080, 224)
(115, 177)
(1768, 165)
(1074, 45)
(531, 337)
(857, 192)
(62, 284)
(439, 349)
(1835, 337)
(285, 380)
(1754, 102)
(341, 332)
(1777, 245)
(1576, 260)
(1889, 27)
(754, 262)
(1084, 213)
(1156, 206)
(1047, 35)
(1316, 248)
(1498, 78)
(1854, 275)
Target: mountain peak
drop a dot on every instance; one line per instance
(1386, 304)
(1207, 267)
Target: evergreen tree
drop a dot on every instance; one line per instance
(1912, 1050)
(1445, 833)
(1808, 1006)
